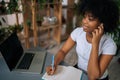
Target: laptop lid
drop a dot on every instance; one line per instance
(12, 52)
(11, 49)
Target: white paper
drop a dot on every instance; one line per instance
(64, 73)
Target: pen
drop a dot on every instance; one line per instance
(53, 62)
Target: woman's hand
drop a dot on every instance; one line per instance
(97, 34)
(60, 55)
(94, 70)
(50, 71)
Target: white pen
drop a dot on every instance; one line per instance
(53, 62)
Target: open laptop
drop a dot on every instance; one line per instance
(19, 60)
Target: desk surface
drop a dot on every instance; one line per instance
(5, 73)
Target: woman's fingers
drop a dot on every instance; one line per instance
(49, 70)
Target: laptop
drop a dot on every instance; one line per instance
(17, 59)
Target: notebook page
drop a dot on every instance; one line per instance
(64, 73)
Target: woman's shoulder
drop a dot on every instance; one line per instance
(107, 38)
(108, 44)
(78, 29)
(76, 33)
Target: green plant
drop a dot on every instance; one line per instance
(116, 34)
(2, 7)
(13, 6)
(116, 37)
(9, 7)
(41, 2)
(6, 31)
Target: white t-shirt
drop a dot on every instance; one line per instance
(83, 48)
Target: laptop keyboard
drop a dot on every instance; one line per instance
(26, 61)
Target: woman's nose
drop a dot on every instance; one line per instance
(84, 21)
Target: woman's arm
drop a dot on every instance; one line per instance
(97, 65)
(64, 50)
(61, 54)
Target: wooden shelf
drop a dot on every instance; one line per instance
(42, 28)
(57, 8)
(49, 3)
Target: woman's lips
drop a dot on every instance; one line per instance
(85, 27)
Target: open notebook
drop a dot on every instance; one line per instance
(64, 73)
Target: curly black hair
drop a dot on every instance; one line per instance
(106, 11)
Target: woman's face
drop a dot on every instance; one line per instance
(89, 23)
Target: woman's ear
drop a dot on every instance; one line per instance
(101, 24)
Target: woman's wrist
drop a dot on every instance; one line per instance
(95, 44)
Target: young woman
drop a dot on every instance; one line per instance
(95, 49)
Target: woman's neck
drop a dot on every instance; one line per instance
(89, 37)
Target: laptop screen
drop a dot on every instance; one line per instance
(11, 49)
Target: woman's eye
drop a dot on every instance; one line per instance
(91, 19)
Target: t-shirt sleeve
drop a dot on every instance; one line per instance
(75, 33)
(109, 47)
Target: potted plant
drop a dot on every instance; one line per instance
(5, 32)
(9, 7)
(116, 33)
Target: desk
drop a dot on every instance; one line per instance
(5, 73)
